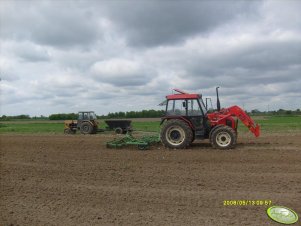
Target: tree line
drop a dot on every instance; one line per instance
(278, 112)
(7, 118)
(63, 116)
(133, 114)
(130, 114)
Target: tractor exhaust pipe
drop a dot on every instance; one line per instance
(218, 104)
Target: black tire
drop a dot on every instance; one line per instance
(86, 128)
(142, 147)
(69, 131)
(176, 134)
(192, 138)
(118, 130)
(223, 137)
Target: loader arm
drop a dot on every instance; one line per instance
(245, 118)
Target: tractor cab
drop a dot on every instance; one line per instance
(185, 106)
(86, 115)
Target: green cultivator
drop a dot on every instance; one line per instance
(142, 143)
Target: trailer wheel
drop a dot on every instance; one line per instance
(142, 147)
(176, 134)
(223, 137)
(118, 130)
(86, 128)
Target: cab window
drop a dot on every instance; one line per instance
(176, 107)
(193, 108)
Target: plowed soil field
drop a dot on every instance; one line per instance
(75, 180)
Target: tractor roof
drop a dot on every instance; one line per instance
(183, 95)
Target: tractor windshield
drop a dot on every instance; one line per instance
(203, 106)
(186, 107)
(92, 116)
(86, 115)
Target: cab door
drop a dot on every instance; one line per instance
(196, 117)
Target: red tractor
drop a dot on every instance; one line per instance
(186, 119)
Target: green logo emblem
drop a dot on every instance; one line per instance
(282, 215)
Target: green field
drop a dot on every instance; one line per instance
(267, 123)
(276, 123)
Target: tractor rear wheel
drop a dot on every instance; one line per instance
(223, 137)
(176, 134)
(86, 128)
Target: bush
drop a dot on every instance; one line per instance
(63, 116)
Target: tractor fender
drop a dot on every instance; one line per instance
(88, 122)
(179, 118)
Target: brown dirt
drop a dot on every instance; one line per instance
(75, 180)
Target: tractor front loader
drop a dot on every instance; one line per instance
(186, 119)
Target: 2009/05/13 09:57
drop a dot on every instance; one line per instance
(247, 202)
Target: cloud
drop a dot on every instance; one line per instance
(7, 69)
(150, 23)
(120, 72)
(26, 51)
(64, 56)
(61, 23)
(281, 16)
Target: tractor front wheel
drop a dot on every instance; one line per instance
(176, 134)
(67, 131)
(86, 128)
(223, 137)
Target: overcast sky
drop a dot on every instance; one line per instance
(108, 56)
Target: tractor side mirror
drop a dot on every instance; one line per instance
(184, 104)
